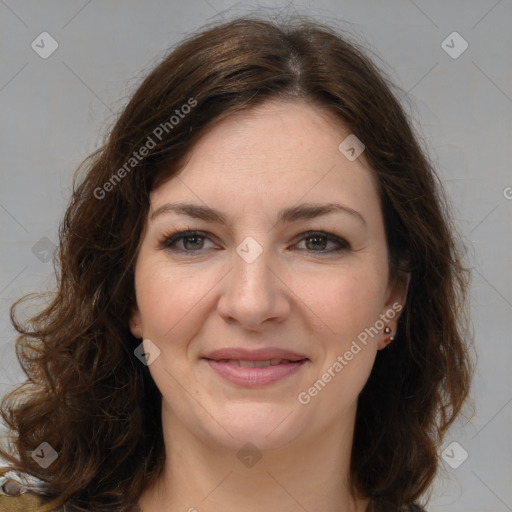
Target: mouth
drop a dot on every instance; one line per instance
(251, 373)
(246, 363)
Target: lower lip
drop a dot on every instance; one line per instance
(254, 377)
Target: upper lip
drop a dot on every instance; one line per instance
(261, 354)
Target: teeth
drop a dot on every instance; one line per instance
(253, 364)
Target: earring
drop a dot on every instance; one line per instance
(387, 330)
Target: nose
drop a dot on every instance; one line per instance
(254, 294)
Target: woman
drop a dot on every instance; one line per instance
(260, 296)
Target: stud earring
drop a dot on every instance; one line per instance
(387, 330)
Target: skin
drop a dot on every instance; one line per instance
(296, 295)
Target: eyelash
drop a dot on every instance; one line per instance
(170, 240)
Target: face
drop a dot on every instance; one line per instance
(260, 264)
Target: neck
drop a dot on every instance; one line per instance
(303, 475)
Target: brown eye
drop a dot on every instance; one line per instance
(319, 241)
(193, 242)
(316, 242)
(185, 241)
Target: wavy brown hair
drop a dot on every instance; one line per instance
(91, 399)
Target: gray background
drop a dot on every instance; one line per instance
(55, 111)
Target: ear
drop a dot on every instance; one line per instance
(396, 295)
(135, 322)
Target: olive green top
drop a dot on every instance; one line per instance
(22, 492)
(22, 503)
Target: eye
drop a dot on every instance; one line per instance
(191, 241)
(318, 240)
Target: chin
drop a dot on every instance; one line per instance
(265, 425)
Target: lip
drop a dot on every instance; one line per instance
(261, 354)
(255, 377)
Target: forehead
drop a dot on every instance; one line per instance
(275, 130)
(280, 152)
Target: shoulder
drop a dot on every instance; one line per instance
(19, 492)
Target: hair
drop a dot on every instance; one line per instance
(92, 400)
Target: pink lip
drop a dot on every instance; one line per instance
(253, 377)
(261, 354)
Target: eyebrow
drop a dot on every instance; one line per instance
(291, 214)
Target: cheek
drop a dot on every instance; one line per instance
(344, 301)
(348, 307)
(165, 298)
